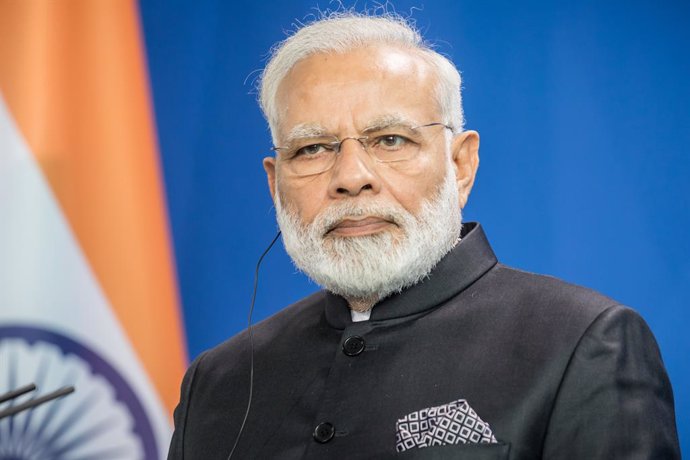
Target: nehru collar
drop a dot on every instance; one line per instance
(471, 258)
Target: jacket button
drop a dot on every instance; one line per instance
(353, 345)
(324, 432)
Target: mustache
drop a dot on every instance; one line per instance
(335, 214)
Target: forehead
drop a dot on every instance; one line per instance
(349, 91)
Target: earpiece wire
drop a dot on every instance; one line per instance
(251, 345)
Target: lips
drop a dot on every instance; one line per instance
(360, 226)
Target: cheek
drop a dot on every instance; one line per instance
(305, 196)
(413, 184)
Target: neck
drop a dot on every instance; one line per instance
(362, 304)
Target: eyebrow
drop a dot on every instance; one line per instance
(306, 131)
(315, 130)
(389, 121)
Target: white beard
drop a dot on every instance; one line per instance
(374, 266)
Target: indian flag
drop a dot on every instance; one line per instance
(87, 289)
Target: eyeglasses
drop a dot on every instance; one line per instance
(315, 155)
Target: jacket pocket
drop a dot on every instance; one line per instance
(495, 451)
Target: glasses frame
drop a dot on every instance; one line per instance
(337, 144)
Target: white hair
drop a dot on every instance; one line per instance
(340, 32)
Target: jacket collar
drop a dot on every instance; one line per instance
(471, 258)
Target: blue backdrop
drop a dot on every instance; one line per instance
(584, 113)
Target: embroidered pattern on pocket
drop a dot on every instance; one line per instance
(452, 423)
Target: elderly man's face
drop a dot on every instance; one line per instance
(346, 93)
(360, 200)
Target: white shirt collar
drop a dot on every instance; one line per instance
(358, 316)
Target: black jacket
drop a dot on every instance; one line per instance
(556, 370)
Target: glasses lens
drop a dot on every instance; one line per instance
(311, 158)
(389, 148)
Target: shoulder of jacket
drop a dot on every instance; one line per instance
(548, 295)
(304, 312)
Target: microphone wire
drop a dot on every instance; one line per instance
(251, 345)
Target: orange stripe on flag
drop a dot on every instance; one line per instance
(73, 75)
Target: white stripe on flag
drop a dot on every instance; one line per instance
(46, 284)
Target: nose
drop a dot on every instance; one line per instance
(353, 172)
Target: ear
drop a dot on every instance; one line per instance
(270, 168)
(465, 150)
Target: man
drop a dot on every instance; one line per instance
(421, 344)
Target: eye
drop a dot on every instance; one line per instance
(391, 142)
(311, 150)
